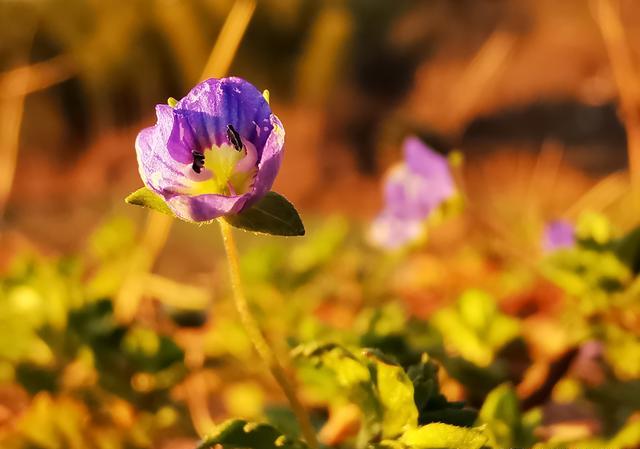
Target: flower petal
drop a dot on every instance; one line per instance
(269, 164)
(215, 103)
(159, 170)
(409, 195)
(392, 232)
(183, 141)
(558, 234)
(431, 165)
(419, 184)
(206, 207)
(199, 122)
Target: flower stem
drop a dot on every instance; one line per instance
(255, 335)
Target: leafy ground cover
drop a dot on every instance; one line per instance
(551, 357)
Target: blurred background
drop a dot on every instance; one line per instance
(348, 78)
(540, 96)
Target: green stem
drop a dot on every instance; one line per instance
(255, 335)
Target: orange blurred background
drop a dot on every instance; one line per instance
(521, 87)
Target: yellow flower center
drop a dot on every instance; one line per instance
(221, 162)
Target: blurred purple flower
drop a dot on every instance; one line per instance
(216, 152)
(558, 234)
(413, 189)
(391, 232)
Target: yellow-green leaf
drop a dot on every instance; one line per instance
(438, 435)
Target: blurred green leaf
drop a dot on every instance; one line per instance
(617, 401)
(145, 197)
(238, 433)
(319, 247)
(112, 238)
(273, 215)
(628, 436)
(622, 351)
(593, 229)
(503, 418)
(438, 435)
(628, 250)
(149, 351)
(475, 327)
(433, 405)
(55, 423)
(35, 378)
(283, 419)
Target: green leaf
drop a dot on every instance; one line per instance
(147, 198)
(628, 436)
(238, 433)
(350, 377)
(395, 393)
(505, 424)
(438, 435)
(432, 405)
(628, 250)
(475, 327)
(273, 215)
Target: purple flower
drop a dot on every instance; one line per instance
(392, 232)
(413, 190)
(558, 234)
(216, 152)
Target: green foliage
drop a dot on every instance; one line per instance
(62, 346)
(616, 400)
(65, 348)
(394, 403)
(627, 249)
(273, 215)
(505, 424)
(395, 394)
(475, 327)
(238, 433)
(349, 377)
(598, 267)
(432, 405)
(438, 435)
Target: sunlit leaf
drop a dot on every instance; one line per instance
(395, 393)
(352, 377)
(438, 435)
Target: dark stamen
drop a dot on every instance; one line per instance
(198, 161)
(234, 138)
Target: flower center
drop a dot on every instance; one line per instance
(227, 169)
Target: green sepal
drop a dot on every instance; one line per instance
(146, 197)
(273, 215)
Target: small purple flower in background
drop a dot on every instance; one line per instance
(558, 234)
(214, 153)
(391, 232)
(413, 189)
